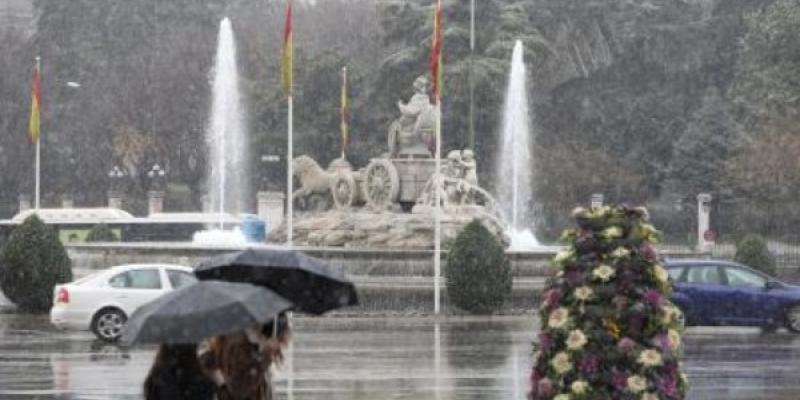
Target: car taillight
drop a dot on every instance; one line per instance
(63, 296)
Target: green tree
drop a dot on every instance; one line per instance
(698, 157)
(478, 273)
(31, 264)
(752, 251)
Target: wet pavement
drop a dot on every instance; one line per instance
(386, 358)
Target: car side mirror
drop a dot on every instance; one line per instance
(772, 285)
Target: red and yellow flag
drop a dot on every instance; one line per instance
(287, 79)
(436, 53)
(344, 111)
(36, 98)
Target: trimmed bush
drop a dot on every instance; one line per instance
(752, 251)
(609, 330)
(478, 274)
(31, 264)
(101, 233)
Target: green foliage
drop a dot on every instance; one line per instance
(752, 251)
(31, 264)
(478, 273)
(101, 233)
(608, 327)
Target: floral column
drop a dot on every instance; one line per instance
(608, 328)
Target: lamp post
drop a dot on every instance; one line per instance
(268, 160)
(115, 177)
(155, 197)
(269, 204)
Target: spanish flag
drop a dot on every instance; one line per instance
(436, 53)
(344, 111)
(36, 98)
(287, 80)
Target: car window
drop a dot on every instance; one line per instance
(704, 274)
(137, 279)
(675, 273)
(741, 277)
(179, 279)
(120, 281)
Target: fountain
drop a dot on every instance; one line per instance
(226, 140)
(515, 160)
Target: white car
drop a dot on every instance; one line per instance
(102, 302)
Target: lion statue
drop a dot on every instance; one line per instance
(314, 192)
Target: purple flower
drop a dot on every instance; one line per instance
(551, 297)
(620, 301)
(573, 277)
(667, 386)
(663, 342)
(589, 364)
(544, 388)
(545, 341)
(619, 380)
(653, 297)
(626, 345)
(647, 251)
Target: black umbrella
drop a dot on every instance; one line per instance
(204, 309)
(311, 284)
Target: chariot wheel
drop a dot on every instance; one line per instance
(381, 183)
(344, 190)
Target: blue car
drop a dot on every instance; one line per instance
(712, 292)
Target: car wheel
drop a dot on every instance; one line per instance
(793, 319)
(107, 324)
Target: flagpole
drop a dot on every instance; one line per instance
(38, 168)
(289, 178)
(344, 110)
(471, 140)
(437, 258)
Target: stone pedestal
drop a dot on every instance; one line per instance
(155, 202)
(270, 207)
(705, 237)
(114, 199)
(67, 202)
(24, 202)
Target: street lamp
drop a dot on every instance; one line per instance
(157, 177)
(115, 176)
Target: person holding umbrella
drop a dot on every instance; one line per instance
(182, 318)
(244, 359)
(176, 374)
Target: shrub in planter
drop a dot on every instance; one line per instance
(752, 251)
(31, 264)
(478, 273)
(101, 233)
(609, 330)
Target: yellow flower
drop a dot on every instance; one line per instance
(649, 396)
(650, 358)
(674, 339)
(620, 252)
(563, 256)
(612, 328)
(583, 293)
(561, 363)
(636, 383)
(579, 387)
(562, 397)
(558, 318)
(578, 212)
(660, 273)
(612, 232)
(603, 272)
(576, 340)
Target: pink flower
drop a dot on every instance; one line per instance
(626, 345)
(544, 388)
(647, 251)
(589, 364)
(545, 341)
(619, 380)
(551, 297)
(653, 297)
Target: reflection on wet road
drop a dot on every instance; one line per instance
(386, 358)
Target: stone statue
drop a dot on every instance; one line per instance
(315, 184)
(412, 135)
(470, 167)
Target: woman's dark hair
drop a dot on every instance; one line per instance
(176, 373)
